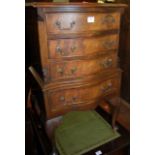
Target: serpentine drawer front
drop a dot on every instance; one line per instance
(81, 68)
(77, 53)
(80, 95)
(64, 48)
(83, 94)
(61, 23)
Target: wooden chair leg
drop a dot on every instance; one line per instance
(54, 148)
(51, 126)
(115, 106)
(114, 117)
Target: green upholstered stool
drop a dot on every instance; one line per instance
(82, 131)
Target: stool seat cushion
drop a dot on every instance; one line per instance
(82, 131)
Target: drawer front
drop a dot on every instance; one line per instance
(79, 68)
(60, 23)
(77, 96)
(63, 48)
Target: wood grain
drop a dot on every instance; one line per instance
(78, 47)
(78, 51)
(81, 23)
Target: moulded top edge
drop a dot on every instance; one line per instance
(74, 4)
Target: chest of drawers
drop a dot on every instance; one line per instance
(76, 63)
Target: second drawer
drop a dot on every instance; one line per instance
(64, 48)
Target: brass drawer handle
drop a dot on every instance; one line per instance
(106, 63)
(109, 19)
(62, 98)
(107, 87)
(109, 44)
(60, 70)
(59, 25)
(73, 70)
(74, 99)
(73, 48)
(59, 50)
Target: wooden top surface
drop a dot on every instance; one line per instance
(73, 4)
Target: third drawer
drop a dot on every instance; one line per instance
(79, 68)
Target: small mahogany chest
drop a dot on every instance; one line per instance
(76, 62)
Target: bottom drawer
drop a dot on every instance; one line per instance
(82, 96)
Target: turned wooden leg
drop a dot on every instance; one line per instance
(114, 117)
(115, 106)
(54, 149)
(51, 126)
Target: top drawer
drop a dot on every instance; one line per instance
(80, 22)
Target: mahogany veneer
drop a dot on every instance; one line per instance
(76, 65)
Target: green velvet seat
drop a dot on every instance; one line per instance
(82, 131)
